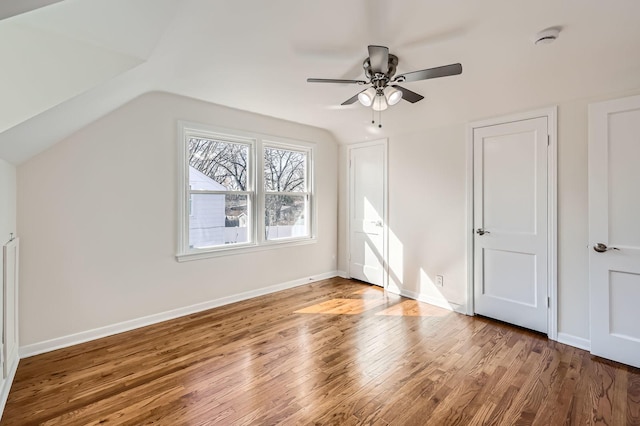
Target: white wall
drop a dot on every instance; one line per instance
(427, 213)
(573, 220)
(97, 217)
(573, 215)
(427, 197)
(7, 204)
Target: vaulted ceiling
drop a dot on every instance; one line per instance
(66, 63)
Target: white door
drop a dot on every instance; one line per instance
(10, 308)
(367, 177)
(510, 222)
(614, 229)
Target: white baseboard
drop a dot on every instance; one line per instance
(109, 330)
(439, 302)
(6, 386)
(575, 341)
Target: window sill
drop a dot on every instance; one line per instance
(230, 251)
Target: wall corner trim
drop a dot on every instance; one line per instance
(109, 330)
(342, 274)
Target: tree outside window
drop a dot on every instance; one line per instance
(286, 193)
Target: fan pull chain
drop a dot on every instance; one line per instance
(373, 118)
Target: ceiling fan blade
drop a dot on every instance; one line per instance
(444, 71)
(379, 59)
(408, 95)
(334, 80)
(352, 99)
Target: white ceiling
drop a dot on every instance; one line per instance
(256, 55)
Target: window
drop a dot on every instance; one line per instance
(286, 192)
(219, 192)
(227, 205)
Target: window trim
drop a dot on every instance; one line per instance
(255, 186)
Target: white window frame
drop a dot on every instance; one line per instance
(250, 191)
(255, 190)
(308, 192)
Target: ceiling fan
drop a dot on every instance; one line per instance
(380, 68)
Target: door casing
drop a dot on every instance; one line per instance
(385, 231)
(551, 114)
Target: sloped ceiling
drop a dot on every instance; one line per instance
(80, 59)
(13, 8)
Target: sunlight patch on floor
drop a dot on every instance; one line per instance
(342, 306)
(370, 291)
(413, 308)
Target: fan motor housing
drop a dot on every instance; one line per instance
(368, 72)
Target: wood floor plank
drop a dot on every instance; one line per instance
(332, 352)
(633, 399)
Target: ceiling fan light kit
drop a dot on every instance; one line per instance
(366, 96)
(379, 69)
(392, 95)
(379, 103)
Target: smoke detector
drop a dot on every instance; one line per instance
(547, 36)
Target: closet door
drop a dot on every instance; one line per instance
(511, 222)
(614, 229)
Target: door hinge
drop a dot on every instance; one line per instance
(548, 140)
(548, 302)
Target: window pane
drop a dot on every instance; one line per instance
(218, 165)
(218, 219)
(285, 216)
(284, 170)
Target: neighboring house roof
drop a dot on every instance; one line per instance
(198, 180)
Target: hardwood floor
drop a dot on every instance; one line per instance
(333, 352)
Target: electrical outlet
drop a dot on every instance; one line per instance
(439, 280)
